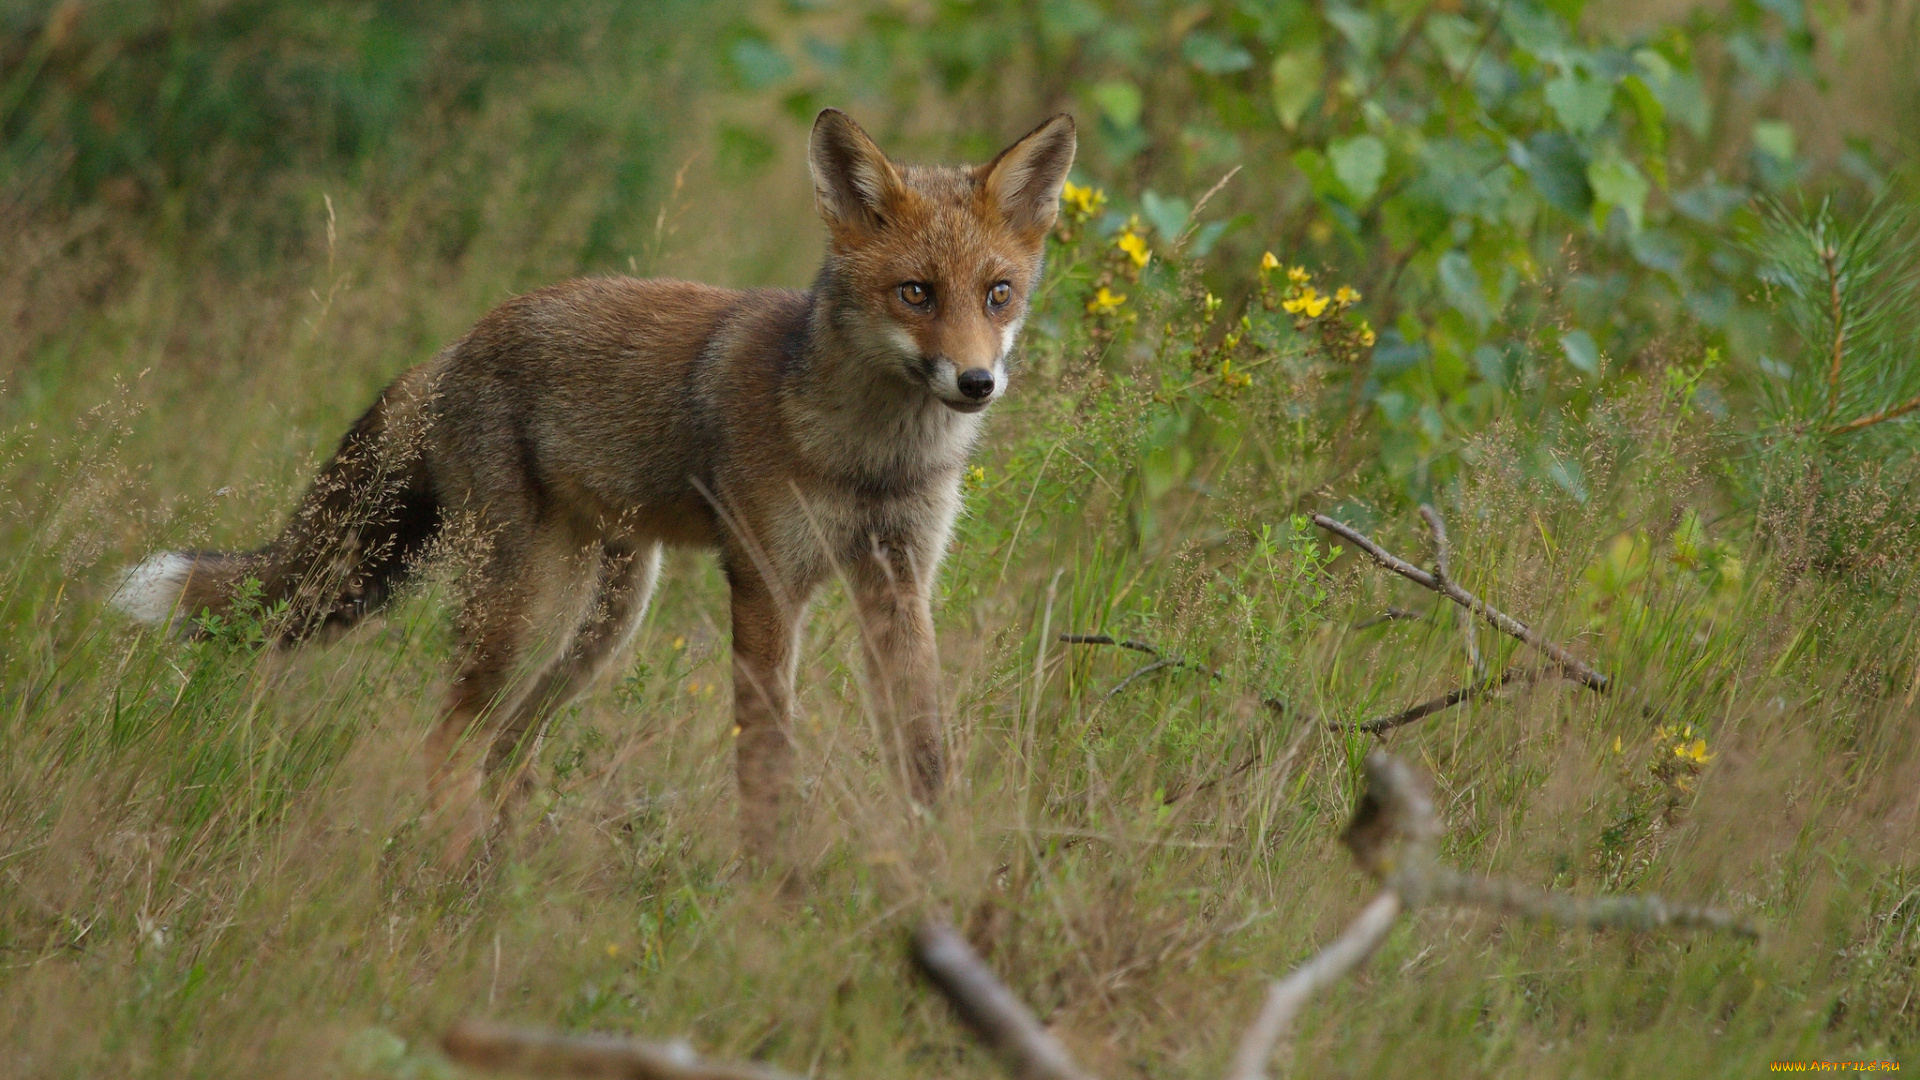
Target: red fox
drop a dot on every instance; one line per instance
(576, 430)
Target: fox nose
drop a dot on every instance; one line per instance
(976, 383)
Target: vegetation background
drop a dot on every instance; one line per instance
(1635, 310)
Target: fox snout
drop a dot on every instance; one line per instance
(965, 386)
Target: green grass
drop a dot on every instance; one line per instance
(212, 860)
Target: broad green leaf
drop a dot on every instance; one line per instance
(1679, 92)
(1461, 283)
(1359, 162)
(1616, 182)
(1581, 351)
(1580, 101)
(1774, 138)
(1296, 82)
(1167, 214)
(1653, 126)
(1214, 54)
(1457, 40)
(1360, 28)
(1558, 169)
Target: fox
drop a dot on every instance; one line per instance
(578, 430)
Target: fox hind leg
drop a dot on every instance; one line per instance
(623, 584)
(526, 576)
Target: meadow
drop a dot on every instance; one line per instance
(1628, 297)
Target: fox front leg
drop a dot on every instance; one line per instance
(891, 590)
(766, 639)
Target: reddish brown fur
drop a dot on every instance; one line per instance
(580, 428)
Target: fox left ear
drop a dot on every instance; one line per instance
(1024, 181)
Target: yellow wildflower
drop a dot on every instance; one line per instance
(1106, 301)
(1298, 275)
(1695, 752)
(1134, 245)
(1086, 201)
(1309, 303)
(1366, 335)
(976, 475)
(1346, 296)
(1232, 378)
(1268, 263)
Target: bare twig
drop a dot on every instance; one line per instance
(988, 1007)
(1328, 966)
(544, 1053)
(1445, 701)
(1392, 836)
(1392, 614)
(1142, 672)
(1499, 620)
(1162, 660)
(1880, 417)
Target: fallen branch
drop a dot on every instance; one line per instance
(1445, 701)
(1499, 620)
(988, 1007)
(1392, 836)
(543, 1053)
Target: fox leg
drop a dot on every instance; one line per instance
(890, 594)
(623, 583)
(766, 640)
(505, 626)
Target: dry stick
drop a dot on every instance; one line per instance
(1882, 416)
(988, 1007)
(1392, 836)
(542, 1053)
(1444, 702)
(1328, 966)
(1499, 620)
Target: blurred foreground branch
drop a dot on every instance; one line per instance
(1392, 836)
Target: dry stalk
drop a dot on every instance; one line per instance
(533, 1052)
(989, 1008)
(1494, 617)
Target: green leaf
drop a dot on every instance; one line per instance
(1457, 40)
(1119, 102)
(1461, 284)
(1558, 168)
(1679, 92)
(1167, 214)
(1360, 163)
(1214, 54)
(1296, 82)
(1580, 101)
(1774, 138)
(1616, 182)
(1653, 125)
(1360, 28)
(1581, 351)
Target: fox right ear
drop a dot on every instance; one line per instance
(853, 182)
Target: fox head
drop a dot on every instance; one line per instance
(930, 268)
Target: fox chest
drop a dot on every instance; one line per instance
(819, 531)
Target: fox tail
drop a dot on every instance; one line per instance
(359, 529)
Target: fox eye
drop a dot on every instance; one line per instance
(999, 294)
(914, 294)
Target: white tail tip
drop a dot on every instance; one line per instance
(150, 592)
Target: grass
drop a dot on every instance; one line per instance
(210, 855)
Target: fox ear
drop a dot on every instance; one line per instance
(853, 182)
(1024, 181)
